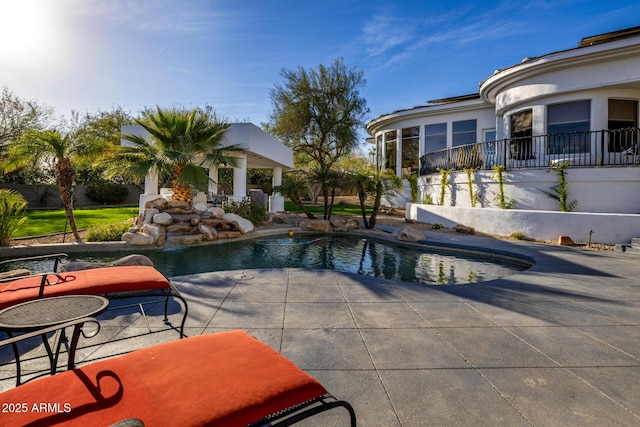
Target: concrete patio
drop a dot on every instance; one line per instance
(556, 345)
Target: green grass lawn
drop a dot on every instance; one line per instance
(49, 221)
(338, 209)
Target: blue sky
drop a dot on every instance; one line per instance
(89, 55)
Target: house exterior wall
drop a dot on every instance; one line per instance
(590, 187)
(594, 73)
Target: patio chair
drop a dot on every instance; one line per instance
(221, 379)
(111, 282)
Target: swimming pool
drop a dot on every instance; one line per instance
(350, 254)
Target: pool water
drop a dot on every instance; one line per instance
(341, 253)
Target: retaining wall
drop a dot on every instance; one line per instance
(608, 228)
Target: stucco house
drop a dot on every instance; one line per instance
(576, 107)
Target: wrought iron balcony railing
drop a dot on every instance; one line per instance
(579, 149)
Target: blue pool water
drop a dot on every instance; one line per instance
(341, 253)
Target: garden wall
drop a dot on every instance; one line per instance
(603, 190)
(48, 196)
(608, 228)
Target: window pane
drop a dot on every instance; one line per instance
(568, 127)
(410, 156)
(465, 126)
(410, 132)
(464, 138)
(379, 152)
(623, 114)
(520, 146)
(569, 112)
(390, 160)
(391, 135)
(410, 141)
(521, 123)
(464, 132)
(489, 135)
(435, 137)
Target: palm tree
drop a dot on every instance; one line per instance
(295, 187)
(376, 183)
(63, 150)
(180, 144)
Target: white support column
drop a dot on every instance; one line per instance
(151, 183)
(399, 153)
(213, 183)
(150, 190)
(276, 201)
(240, 178)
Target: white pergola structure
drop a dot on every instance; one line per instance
(261, 150)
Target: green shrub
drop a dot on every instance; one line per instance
(412, 179)
(107, 193)
(517, 235)
(12, 214)
(254, 212)
(437, 226)
(107, 232)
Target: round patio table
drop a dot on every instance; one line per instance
(49, 312)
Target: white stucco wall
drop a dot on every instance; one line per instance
(603, 190)
(607, 228)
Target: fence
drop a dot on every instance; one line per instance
(595, 148)
(41, 196)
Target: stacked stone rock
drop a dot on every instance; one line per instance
(180, 223)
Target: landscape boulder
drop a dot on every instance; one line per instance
(464, 229)
(320, 225)
(408, 234)
(138, 239)
(243, 225)
(128, 260)
(149, 214)
(159, 232)
(209, 233)
(160, 203)
(216, 212)
(565, 241)
(185, 239)
(162, 218)
(343, 223)
(199, 207)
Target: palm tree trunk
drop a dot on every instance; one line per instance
(362, 197)
(181, 190)
(376, 205)
(66, 175)
(303, 208)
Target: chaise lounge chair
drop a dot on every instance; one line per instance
(111, 282)
(222, 379)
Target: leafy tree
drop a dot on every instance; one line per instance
(318, 114)
(12, 214)
(371, 182)
(59, 149)
(17, 116)
(181, 142)
(102, 127)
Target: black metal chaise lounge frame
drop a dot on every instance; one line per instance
(112, 282)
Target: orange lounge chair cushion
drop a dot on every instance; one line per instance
(222, 379)
(96, 281)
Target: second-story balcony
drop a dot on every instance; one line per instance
(579, 149)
